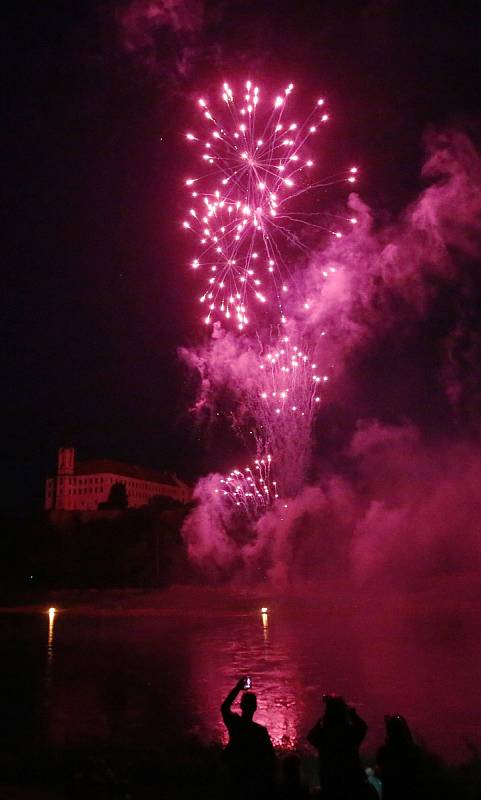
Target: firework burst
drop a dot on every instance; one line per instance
(246, 205)
(251, 490)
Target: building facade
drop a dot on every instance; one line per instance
(82, 485)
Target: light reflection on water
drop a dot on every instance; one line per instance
(253, 649)
(51, 623)
(140, 677)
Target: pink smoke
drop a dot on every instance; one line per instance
(389, 276)
(423, 510)
(408, 511)
(206, 529)
(141, 21)
(408, 507)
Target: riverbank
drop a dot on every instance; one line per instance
(334, 593)
(177, 599)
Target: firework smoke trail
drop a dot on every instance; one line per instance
(275, 392)
(246, 208)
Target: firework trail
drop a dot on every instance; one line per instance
(280, 403)
(270, 393)
(246, 206)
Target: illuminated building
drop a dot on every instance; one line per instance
(82, 485)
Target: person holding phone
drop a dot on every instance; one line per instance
(249, 754)
(337, 737)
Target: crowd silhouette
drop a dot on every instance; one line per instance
(248, 768)
(403, 771)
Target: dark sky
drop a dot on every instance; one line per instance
(97, 295)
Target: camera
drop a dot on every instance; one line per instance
(247, 683)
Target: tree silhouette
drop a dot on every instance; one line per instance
(117, 499)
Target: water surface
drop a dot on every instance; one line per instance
(141, 674)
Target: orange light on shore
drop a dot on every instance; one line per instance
(264, 610)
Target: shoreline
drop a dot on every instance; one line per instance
(177, 599)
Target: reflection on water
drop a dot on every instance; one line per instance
(251, 647)
(139, 677)
(265, 625)
(51, 623)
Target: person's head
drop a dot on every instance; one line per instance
(248, 704)
(397, 730)
(336, 710)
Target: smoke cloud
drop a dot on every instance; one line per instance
(142, 25)
(402, 506)
(389, 276)
(408, 511)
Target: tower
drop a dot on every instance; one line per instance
(65, 469)
(66, 461)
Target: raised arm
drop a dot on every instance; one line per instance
(358, 724)
(225, 707)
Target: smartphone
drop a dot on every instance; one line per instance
(247, 683)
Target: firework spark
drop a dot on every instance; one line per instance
(251, 490)
(245, 207)
(290, 380)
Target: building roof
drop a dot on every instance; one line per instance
(102, 465)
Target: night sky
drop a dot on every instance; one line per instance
(98, 295)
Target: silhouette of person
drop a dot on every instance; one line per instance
(337, 737)
(400, 762)
(249, 754)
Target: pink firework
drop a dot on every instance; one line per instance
(290, 381)
(251, 490)
(245, 207)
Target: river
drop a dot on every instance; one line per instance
(143, 671)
